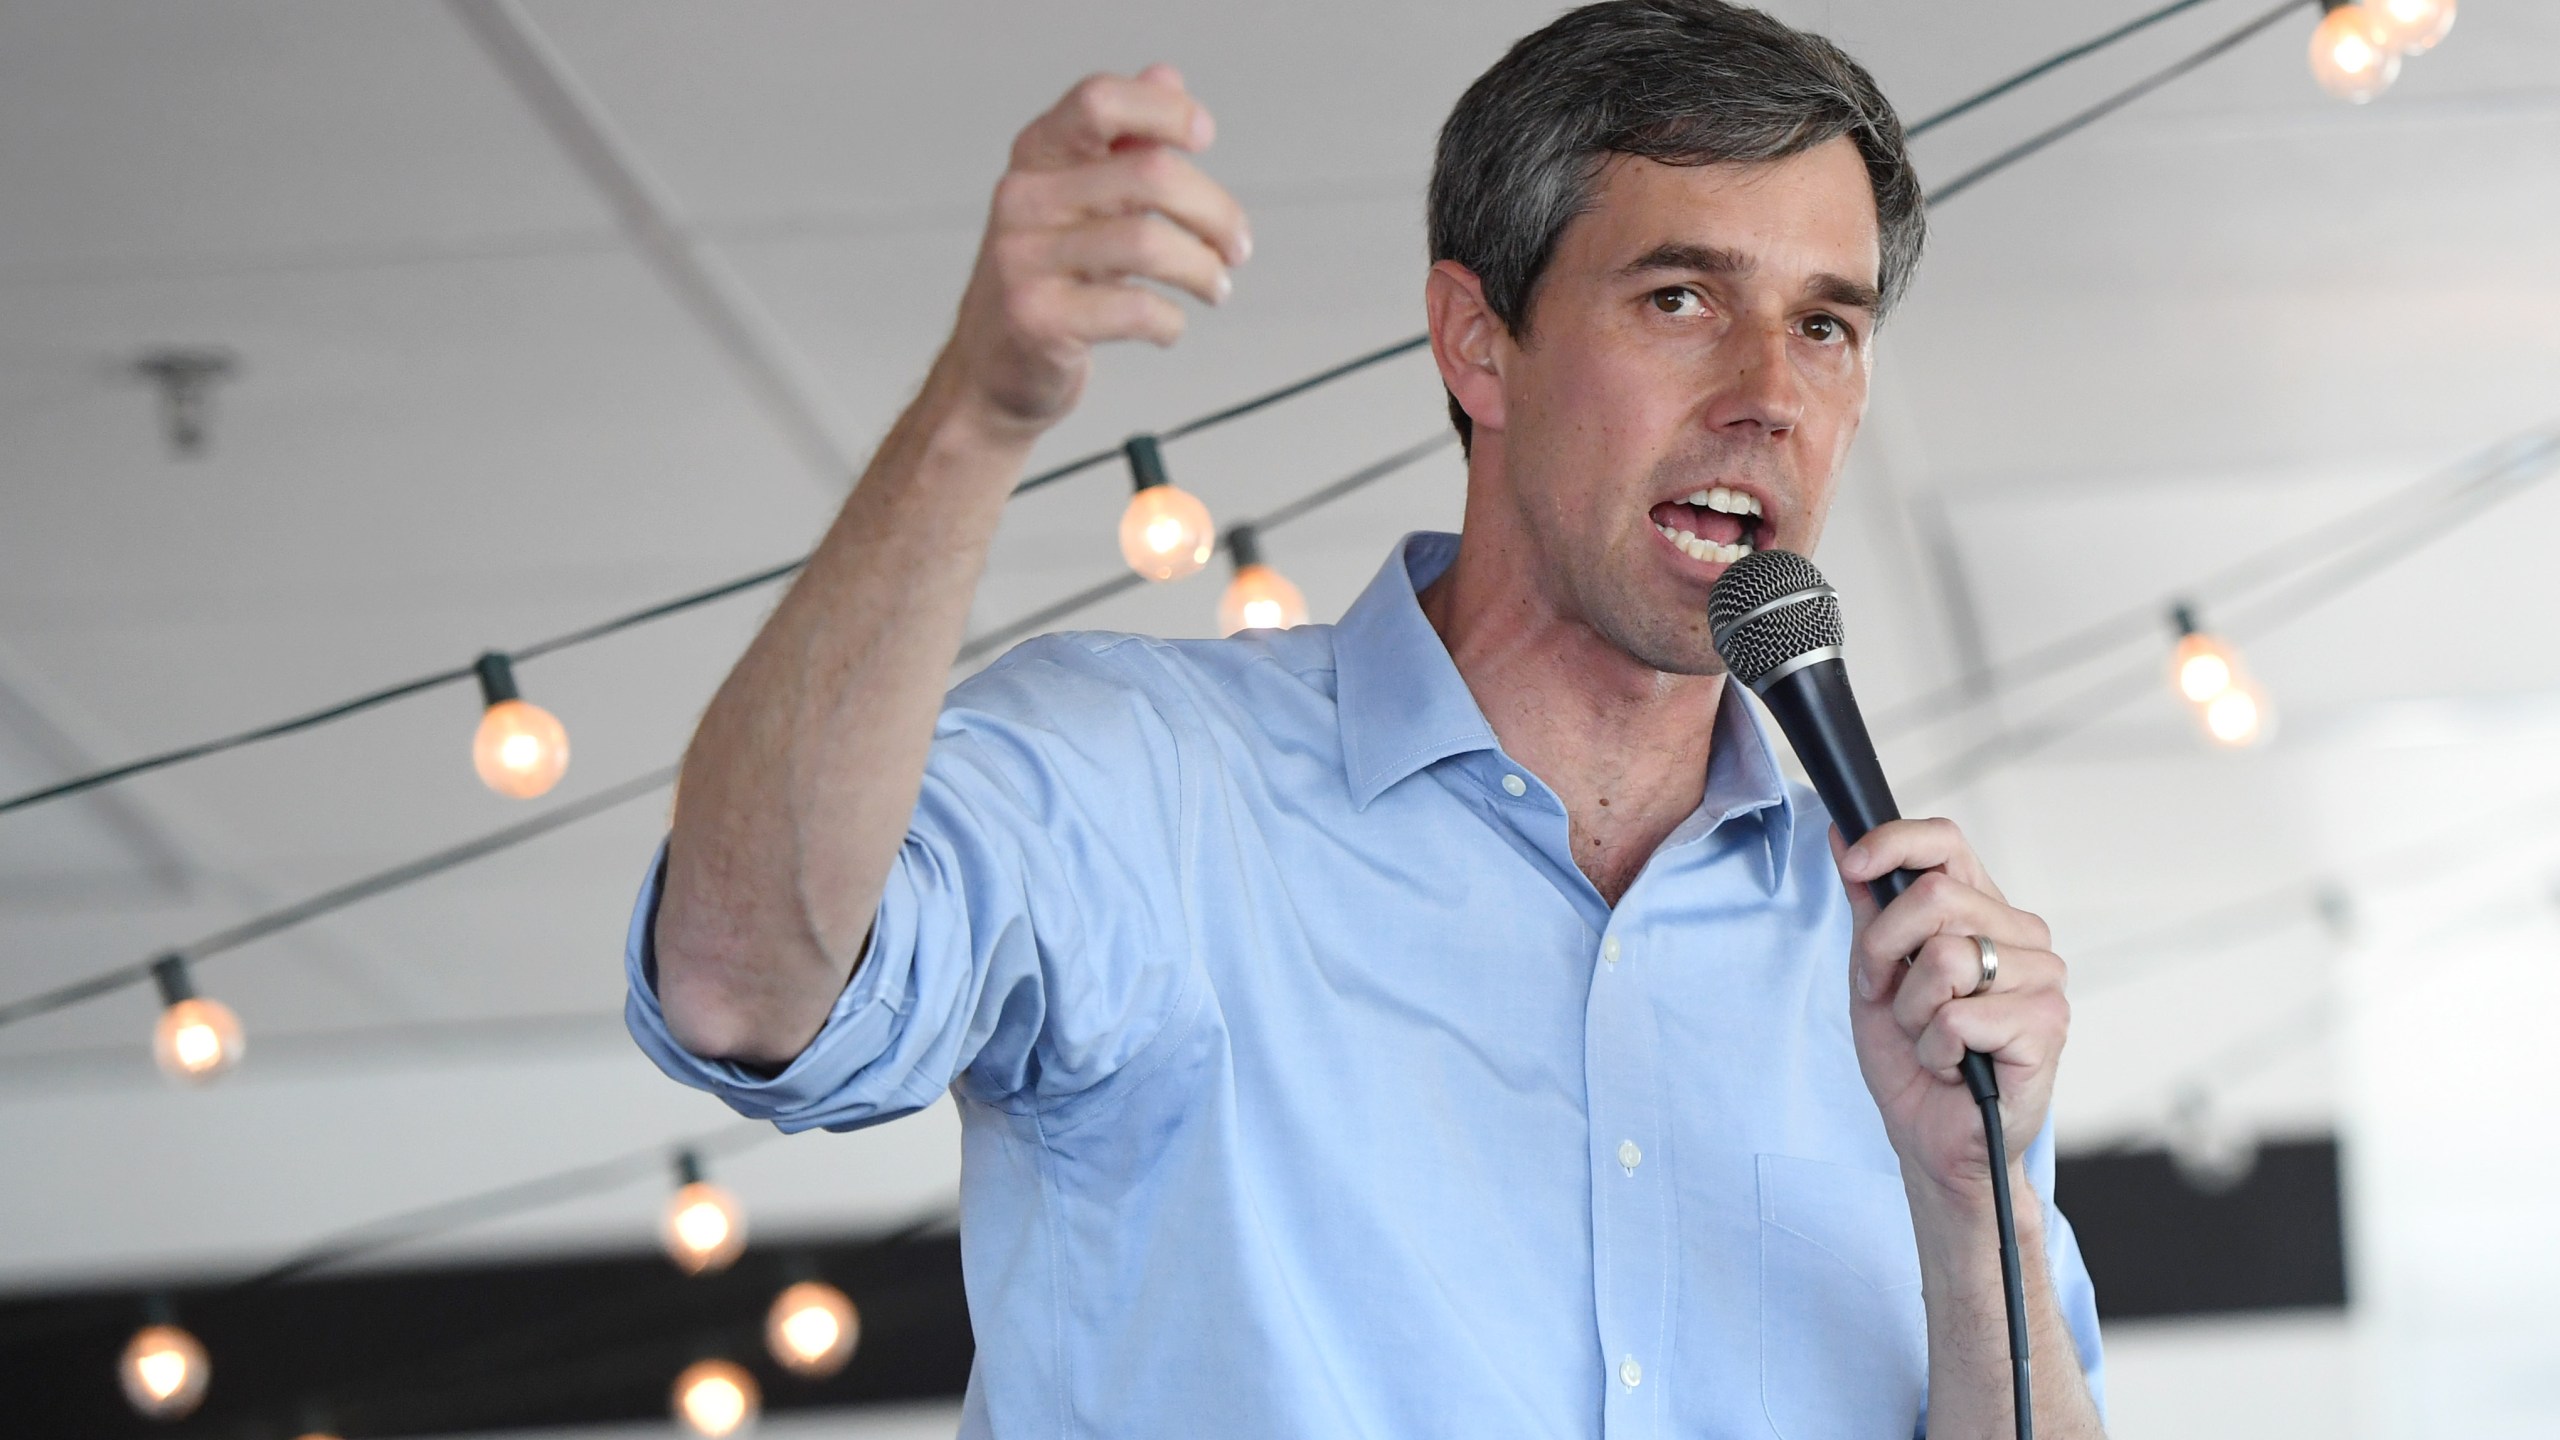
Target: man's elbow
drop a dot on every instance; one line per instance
(720, 1005)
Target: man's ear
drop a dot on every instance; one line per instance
(1466, 341)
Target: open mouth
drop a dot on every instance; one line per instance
(1717, 526)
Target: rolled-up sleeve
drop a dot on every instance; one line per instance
(1033, 936)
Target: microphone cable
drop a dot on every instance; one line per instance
(2013, 1286)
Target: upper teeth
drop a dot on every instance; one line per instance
(1731, 502)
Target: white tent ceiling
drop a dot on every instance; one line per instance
(470, 414)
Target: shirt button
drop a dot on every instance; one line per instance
(1514, 785)
(1631, 1157)
(1609, 949)
(1630, 1373)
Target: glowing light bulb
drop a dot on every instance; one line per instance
(812, 1328)
(2202, 668)
(2349, 56)
(196, 1039)
(2411, 27)
(2238, 716)
(520, 749)
(1260, 598)
(164, 1372)
(1165, 533)
(716, 1398)
(703, 1228)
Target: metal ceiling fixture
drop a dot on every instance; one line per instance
(186, 377)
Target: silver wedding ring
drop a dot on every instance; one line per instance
(1990, 956)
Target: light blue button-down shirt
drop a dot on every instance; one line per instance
(1310, 1090)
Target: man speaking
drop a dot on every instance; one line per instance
(1448, 1022)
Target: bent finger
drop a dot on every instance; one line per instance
(1921, 843)
(2022, 1031)
(1122, 311)
(1144, 247)
(1948, 967)
(1102, 112)
(1939, 904)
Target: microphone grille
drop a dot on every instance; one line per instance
(1762, 642)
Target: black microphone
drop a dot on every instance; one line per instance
(1777, 624)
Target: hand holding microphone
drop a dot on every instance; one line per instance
(1951, 982)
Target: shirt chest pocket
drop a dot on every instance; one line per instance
(1844, 1348)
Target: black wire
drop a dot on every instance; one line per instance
(259, 927)
(2110, 105)
(2045, 67)
(1285, 392)
(660, 610)
(515, 1198)
(2012, 1273)
(166, 758)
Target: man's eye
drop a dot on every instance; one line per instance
(1826, 328)
(1678, 300)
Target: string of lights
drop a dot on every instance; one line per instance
(2523, 460)
(538, 755)
(421, 684)
(213, 1042)
(198, 1039)
(810, 1329)
(2368, 555)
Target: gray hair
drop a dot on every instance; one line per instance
(1684, 82)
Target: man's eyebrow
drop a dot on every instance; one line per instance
(1703, 259)
(1841, 290)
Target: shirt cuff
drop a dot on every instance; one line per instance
(858, 1030)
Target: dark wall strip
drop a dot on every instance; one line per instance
(2160, 1245)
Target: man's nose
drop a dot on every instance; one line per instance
(1760, 389)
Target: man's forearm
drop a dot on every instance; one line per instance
(1970, 1383)
(800, 781)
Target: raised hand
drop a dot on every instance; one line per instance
(1101, 195)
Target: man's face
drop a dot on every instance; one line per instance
(1695, 367)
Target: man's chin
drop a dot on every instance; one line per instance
(1680, 650)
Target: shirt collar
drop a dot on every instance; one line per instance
(1401, 700)
(1742, 778)
(1403, 706)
